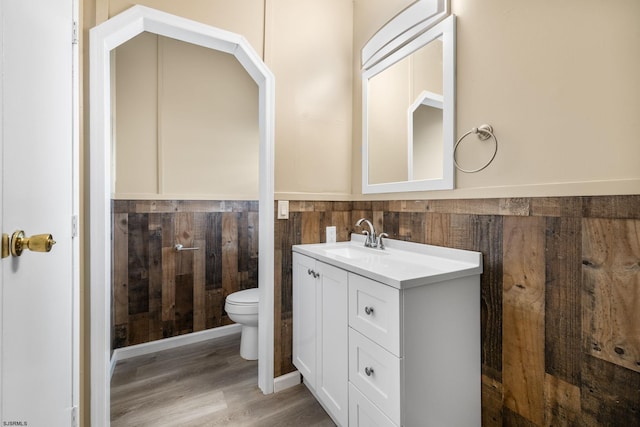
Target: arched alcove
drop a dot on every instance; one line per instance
(104, 38)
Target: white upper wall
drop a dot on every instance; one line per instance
(558, 82)
(245, 17)
(186, 122)
(307, 44)
(309, 50)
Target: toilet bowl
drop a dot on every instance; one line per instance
(242, 308)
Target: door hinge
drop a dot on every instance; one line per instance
(74, 226)
(74, 416)
(74, 32)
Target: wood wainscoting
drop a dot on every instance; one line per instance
(160, 293)
(560, 296)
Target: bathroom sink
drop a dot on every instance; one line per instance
(355, 252)
(401, 264)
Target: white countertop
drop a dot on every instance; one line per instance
(401, 264)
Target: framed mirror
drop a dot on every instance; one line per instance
(408, 101)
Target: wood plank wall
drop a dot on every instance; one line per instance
(560, 296)
(160, 293)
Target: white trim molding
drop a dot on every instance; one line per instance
(103, 39)
(286, 381)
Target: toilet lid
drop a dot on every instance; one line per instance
(248, 296)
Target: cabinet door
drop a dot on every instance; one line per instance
(304, 318)
(333, 363)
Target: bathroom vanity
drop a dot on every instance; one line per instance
(389, 337)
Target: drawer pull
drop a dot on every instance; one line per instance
(368, 310)
(368, 371)
(313, 273)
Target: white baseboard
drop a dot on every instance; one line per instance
(285, 381)
(173, 342)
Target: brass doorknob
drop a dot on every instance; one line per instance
(36, 243)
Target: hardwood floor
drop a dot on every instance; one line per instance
(204, 384)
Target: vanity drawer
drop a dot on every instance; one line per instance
(363, 413)
(374, 311)
(376, 373)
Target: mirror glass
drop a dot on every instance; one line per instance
(425, 123)
(408, 109)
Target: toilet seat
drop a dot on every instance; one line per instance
(242, 302)
(246, 297)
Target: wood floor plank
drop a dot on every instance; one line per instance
(205, 384)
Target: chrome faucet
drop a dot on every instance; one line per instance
(371, 241)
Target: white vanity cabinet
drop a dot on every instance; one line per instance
(414, 354)
(398, 330)
(320, 332)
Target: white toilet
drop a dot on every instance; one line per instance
(242, 308)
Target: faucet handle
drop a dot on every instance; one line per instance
(380, 242)
(367, 242)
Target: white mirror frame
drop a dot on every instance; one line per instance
(417, 17)
(447, 30)
(104, 39)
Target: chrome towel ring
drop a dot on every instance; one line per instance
(484, 132)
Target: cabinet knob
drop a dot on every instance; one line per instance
(310, 271)
(368, 310)
(368, 371)
(313, 273)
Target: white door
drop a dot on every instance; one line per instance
(38, 290)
